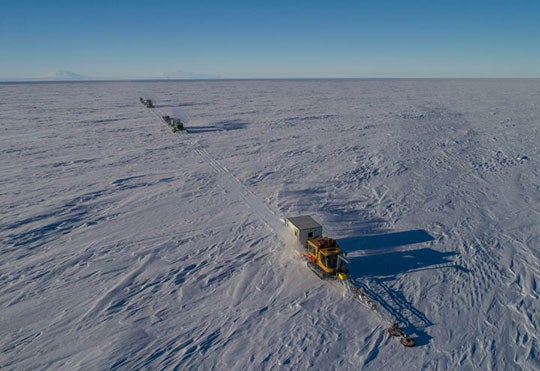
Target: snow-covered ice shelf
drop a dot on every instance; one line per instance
(126, 246)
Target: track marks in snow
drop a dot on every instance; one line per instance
(234, 185)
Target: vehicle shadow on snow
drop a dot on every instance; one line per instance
(380, 259)
(382, 263)
(219, 126)
(383, 241)
(393, 263)
(186, 104)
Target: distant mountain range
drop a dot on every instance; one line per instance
(65, 75)
(62, 75)
(188, 75)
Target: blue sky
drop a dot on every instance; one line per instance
(270, 39)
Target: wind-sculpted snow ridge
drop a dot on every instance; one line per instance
(125, 246)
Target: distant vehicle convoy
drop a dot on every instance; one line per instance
(323, 255)
(175, 124)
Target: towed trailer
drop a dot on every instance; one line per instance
(325, 258)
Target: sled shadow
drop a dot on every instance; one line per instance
(383, 261)
(393, 302)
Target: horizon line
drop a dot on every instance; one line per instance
(40, 80)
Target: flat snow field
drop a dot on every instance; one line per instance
(125, 246)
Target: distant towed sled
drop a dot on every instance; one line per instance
(147, 102)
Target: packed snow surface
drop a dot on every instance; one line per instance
(126, 246)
